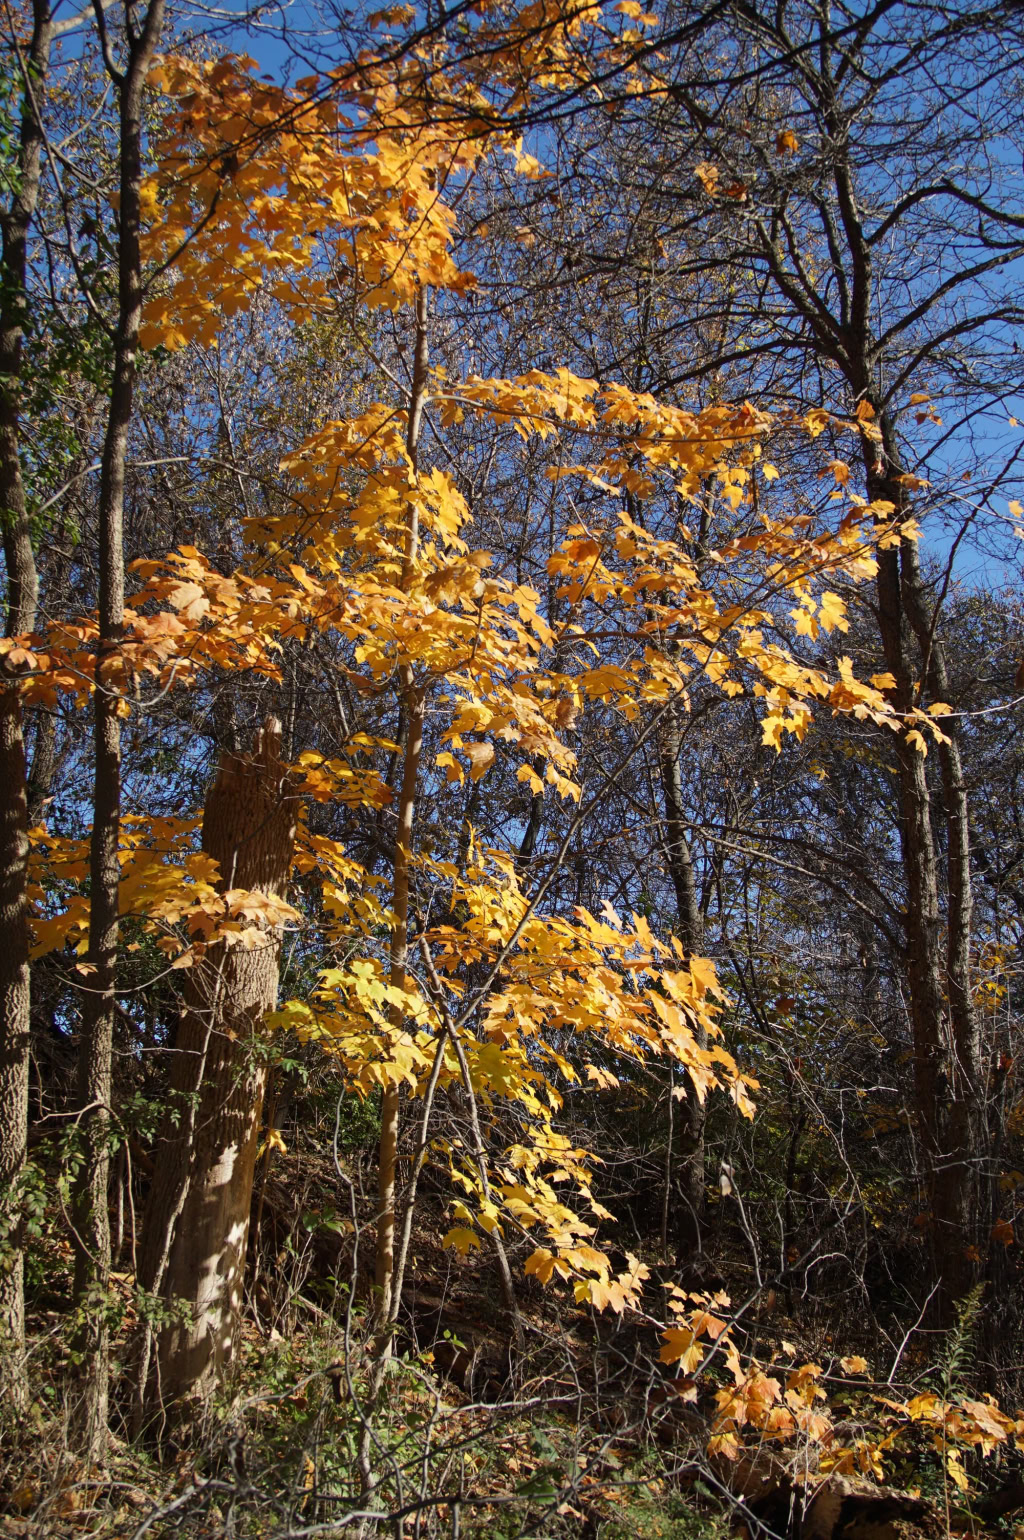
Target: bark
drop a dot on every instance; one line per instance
(946, 1046)
(90, 1211)
(385, 1306)
(853, 310)
(14, 1047)
(531, 833)
(197, 1218)
(22, 599)
(387, 1271)
(688, 1182)
(947, 1049)
(959, 1180)
(390, 1107)
(44, 763)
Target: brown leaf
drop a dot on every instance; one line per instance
(481, 758)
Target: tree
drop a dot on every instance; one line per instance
(825, 156)
(22, 586)
(92, 1224)
(398, 500)
(197, 1220)
(22, 178)
(536, 635)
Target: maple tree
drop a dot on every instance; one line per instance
(382, 564)
(454, 980)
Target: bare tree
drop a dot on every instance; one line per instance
(141, 36)
(32, 60)
(848, 179)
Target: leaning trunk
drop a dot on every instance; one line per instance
(197, 1220)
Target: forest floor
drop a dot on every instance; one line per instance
(582, 1432)
(579, 1430)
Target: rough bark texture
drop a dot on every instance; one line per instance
(44, 765)
(947, 1047)
(22, 598)
(91, 1214)
(197, 1219)
(14, 1043)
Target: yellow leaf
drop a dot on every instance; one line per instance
(462, 1239)
(273, 1141)
(854, 1365)
(955, 1468)
(679, 1345)
(540, 1265)
(832, 613)
(530, 166)
(605, 1079)
(771, 732)
(451, 767)
(481, 758)
(23, 1497)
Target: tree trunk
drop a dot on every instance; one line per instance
(95, 1080)
(197, 1218)
(689, 1181)
(14, 1045)
(387, 1280)
(22, 599)
(44, 760)
(385, 1307)
(959, 1186)
(947, 1049)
